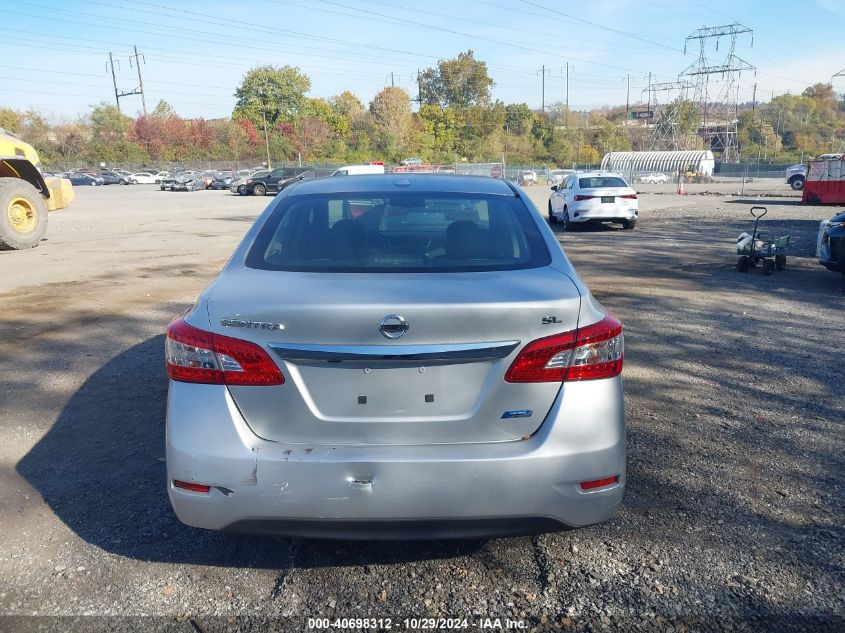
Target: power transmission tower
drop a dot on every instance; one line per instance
(668, 100)
(137, 91)
(717, 86)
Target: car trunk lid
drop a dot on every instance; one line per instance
(439, 381)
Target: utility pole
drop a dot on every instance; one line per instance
(628, 99)
(566, 121)
(266, 136)
(505, 154)
(841, 73)
(754, 99)
(542, 72)
(649, 97)
(263, 98)
(140, 81)
(114, 81)
(419, 87)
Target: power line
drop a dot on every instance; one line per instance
(777, 35)
(599, 26)
(205, 18)
(86, 85)
(509, 27)
(229, 25)
(180, 31)
(182, 57)
(478, 37)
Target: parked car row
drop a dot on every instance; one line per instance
(89, 177)
(652, 178)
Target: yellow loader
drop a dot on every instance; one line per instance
(25, 195)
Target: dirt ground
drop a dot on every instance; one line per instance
(734, 511)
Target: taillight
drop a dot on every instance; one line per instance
(188, 485)
(629, 196)
(590, 352)
(599, 483)
(581, 197)
(194, 355)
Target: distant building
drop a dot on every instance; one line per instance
(700, 161)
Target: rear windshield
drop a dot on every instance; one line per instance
(594, 182)
(398, 233)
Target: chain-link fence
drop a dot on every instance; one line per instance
(521, 174)
(200, 165)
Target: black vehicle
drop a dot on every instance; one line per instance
(277, 180)
(113, 178)
(831, 250)
(223, 180)
(77, 179)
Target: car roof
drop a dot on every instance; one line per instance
(591, 174)
(419, 183)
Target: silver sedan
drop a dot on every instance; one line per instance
(396, 356)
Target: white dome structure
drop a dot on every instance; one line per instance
(702, 161)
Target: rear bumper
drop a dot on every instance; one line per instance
(431, 491)
(591, 211)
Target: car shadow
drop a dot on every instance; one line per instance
(587, 227)
(100, 468)
(772, 202)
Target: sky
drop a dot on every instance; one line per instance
(194, 54)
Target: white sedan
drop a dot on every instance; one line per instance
(148, 178)
(654, 178)
(594, 196)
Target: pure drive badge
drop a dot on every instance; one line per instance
(254, 325)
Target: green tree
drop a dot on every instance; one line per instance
(589, 154)
(475, 125)
(163, 110)
(439, 130)
(277, 91)
(322, 110)
(607, 136)
(10, 120)
(823, 96)
(346, 104)
(108, 125)
(518, 118)
(391, 112)
(461, 82)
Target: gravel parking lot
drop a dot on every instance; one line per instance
(734, 512)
